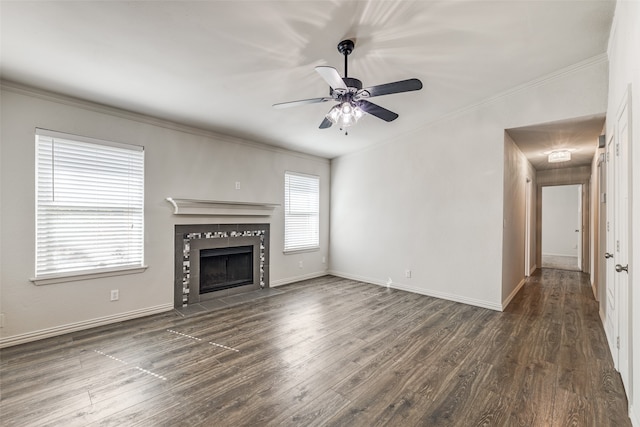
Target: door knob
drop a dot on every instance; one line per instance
(608, 255)
(620, 268)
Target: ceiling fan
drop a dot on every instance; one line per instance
(351, 97)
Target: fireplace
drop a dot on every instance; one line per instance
(225, 268)
(218, 260)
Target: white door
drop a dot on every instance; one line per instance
(611, 315)
(621, 234)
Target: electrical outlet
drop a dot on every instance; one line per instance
(115, 295)
(389, 282)
(407, 274)
(237, 185)
(300, 264)
(324, 259)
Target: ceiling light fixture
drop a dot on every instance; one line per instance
(345, 114)
(559, 156)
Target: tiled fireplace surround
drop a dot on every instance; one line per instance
(189, 239)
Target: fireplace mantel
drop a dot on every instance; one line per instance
(220, 208)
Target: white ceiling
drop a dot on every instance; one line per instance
(220, 65)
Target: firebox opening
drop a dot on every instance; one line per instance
(224, 268)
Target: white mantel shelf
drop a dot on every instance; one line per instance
(220, 208)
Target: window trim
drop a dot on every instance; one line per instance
(69, 136)
(88, 273)
(310, 248)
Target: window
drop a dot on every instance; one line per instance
(301, 212)
(89, 205)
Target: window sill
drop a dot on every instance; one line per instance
(95, 274)
(297, 251)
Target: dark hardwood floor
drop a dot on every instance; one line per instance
(334, 352)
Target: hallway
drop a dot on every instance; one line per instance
(560, 339)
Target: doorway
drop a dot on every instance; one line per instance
(562, 227)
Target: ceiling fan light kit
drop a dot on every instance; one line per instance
(351, 97)
(345, 114)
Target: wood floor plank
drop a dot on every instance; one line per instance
(534, 394)
(460, 397)
(332, 352)
(313, 414)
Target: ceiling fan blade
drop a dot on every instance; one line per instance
(376, 110)
(395, 87)
(301, 102)
(326, 123)
(331, 76)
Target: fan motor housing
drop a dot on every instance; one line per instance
(353, 86)
(352, 83)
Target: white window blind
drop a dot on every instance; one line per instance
(89, 204)
(302, 211)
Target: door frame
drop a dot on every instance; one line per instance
(528, 193)
(611, 295)
(559, 178)
(580, 230)
(584, 184)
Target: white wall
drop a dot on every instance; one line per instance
(179, 162)
(560, 219)
(517, 169)
(624, 45)
(432, 200)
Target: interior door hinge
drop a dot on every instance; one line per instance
(618, 342)
(618, 149)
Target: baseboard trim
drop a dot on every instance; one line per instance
(507, 300)
(79, 326)
(276, 283)
(427, 292)
(358, 278)
(533, 269)
(635, 419)
(564, 255)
